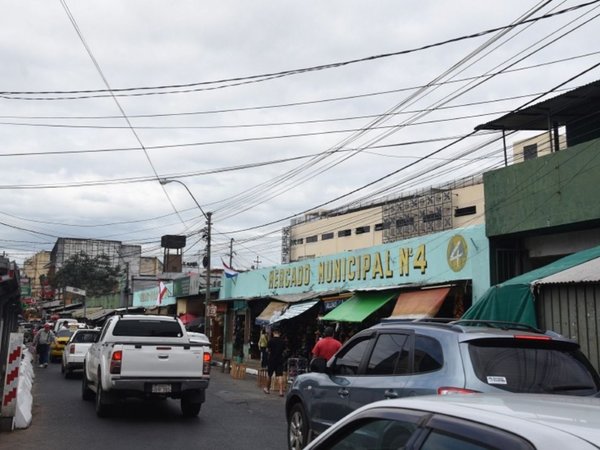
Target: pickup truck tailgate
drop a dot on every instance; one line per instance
(161, 360)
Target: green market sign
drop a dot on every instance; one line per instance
(368, 266)
(459, 254)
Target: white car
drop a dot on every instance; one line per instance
(469, 421)
(75, 350)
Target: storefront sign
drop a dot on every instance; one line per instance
(459, 254)
(148, 298)
(367, 266)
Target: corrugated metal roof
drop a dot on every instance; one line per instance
(586, 272)
(562, 109)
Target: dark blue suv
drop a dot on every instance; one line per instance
(406, 358)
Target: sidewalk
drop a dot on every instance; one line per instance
(252, 365)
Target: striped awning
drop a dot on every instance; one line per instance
(272, 311)
(295, 310)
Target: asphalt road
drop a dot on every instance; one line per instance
(236, 415)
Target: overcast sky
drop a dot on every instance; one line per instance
(255, 143)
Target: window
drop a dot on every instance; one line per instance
(379, 433)
(451, 433)
(378, 226)
(405, 221)
(311, 239)
(147, 328)
(389, 351)
(530, 152)
(535, 367)
(344, 233)
(326, 236)
(64, 333)
(437, 440)
(362, 230)
(466, 211)
(85, 336)
(298, 241)
(428, 355)
(348, 362)
(432, 217)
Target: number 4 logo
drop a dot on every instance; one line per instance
(457, 253)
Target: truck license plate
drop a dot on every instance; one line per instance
(161, 388)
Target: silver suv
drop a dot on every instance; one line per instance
(406, 358)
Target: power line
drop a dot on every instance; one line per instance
(317, 101)
(261, 77)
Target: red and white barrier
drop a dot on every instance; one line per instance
(11, 382)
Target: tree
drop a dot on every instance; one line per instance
(95, 275)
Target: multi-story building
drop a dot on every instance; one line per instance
(454, 205)
(35, 268)
(118, 253)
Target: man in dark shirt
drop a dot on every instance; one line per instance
(275, 348)
(327, 346)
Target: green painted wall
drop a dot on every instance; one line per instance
(550, 191)
(105, 301)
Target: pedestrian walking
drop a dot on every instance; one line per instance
(42, 341)
(326, 346)
(275, 349)
(263, 341)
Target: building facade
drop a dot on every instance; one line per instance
(432, 210)
(36, 268)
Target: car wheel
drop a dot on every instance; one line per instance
(86, 393)
(298, 430)
(102, 406)
(190, 408)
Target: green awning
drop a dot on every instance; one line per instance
(361, 305)
(514, 300)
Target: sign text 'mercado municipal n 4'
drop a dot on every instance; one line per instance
(375, 265)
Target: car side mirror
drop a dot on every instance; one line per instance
(318, 365)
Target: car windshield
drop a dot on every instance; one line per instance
(533, 366)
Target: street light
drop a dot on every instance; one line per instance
(208, 216)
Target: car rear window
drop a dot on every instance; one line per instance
(533, 366)
(84, 337)
(147, 328)
(64, 333)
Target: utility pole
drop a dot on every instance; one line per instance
(207, 296)
(208, 216)
(231, 253)
(257, 261)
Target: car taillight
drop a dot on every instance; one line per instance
(115, 362)
(449, 390)
(72, 349)
(206, 363)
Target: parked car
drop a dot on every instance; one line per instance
(474, 422)
(75, 350)
(56, 349)
(408, 358)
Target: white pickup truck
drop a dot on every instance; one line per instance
(146, 356)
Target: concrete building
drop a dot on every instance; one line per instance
(34, 268)
(119, 254)
(451, 206)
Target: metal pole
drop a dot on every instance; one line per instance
(504, 142)
(207, 294)
(208, 216)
